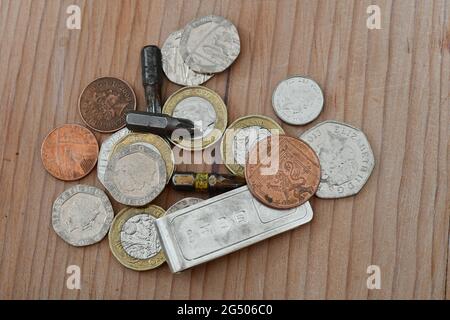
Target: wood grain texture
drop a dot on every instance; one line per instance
(393, 83)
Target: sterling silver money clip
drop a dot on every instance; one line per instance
(221, 225)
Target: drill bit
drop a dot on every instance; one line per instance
(153, 121)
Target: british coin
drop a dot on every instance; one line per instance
(345, 155)
(104, 103)
(106, 151)
(175, 68)
(221, 225)
(69, 152)
(135, 175)
(240, 137)
(183, 203)
(297, 100)
(82, 215)
(133, 238)
(210, 44)
(282, 172)
(155, 143)
(202, 106)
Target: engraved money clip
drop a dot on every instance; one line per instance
(221, 225)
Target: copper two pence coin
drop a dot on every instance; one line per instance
(282, 172)
(104, 103)
(69, 152)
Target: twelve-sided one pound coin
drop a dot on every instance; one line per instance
(133, 238)
(205, 109)
(82, 215)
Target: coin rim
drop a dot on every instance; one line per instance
(82, 92)
(181, 200)
(242, 122)
(318, 194)
(112, 187)
(208, 76)
(219, 107)
(97, 192)
(158, 142)
(260, 199)
(42, 152)
(287, 120)
(115, 244)
(188, 29)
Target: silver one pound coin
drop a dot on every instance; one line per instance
(175, 68)
(135, 175)
(345, 155)
(82, 215)
(297, 100)
(210, 44)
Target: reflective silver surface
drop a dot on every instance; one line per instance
(210, 44)
(135, 175)
(82, 215)
(174, 67)
(345, 155)
(221, 225)
(297, 100)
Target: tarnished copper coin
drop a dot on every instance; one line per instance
(282, 172)
(104, 102)
(69, 152)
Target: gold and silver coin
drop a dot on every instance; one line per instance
(82, 215)
(241, 136)
(175, 68)
(155, 143)
(345, 155)
(297, 100)
(210, 44)
(133, 238)
(205, 108)
(183, 203)
(135, 175)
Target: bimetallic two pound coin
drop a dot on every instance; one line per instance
(210, 44)
(297, 100)
(135, 175)
(241, 136)
(69, 152)
(282, 172)
(205, 108)
(155, 143)
(346, 158)
(175, 68)
(104, 102)
(82, 215)
(133, 238)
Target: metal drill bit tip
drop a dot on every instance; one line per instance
(157, 123)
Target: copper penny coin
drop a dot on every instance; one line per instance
(282, 172)
(104, 103)
(69, 152)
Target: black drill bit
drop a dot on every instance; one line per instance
(153, 121)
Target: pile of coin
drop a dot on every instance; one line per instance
(331, 160)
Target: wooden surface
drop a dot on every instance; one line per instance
(393, 83)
